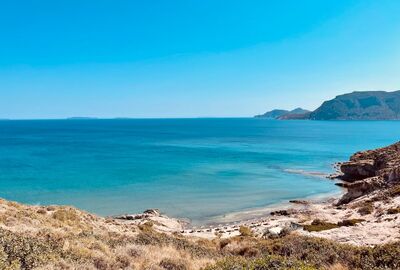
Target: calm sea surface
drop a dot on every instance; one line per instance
(194, 168)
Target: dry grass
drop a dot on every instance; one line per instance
(366, 209)
(393, 211)
(394, 191)
(33, 237)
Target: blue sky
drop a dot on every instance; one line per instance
(191, 58)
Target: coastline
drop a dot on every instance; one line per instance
(366, 214)
(252, 214)
(255, 213)
(359, 230)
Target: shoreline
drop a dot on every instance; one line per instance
(262, 218)
(252, 214)
(255, 213)
(366, 214)
(234, 219)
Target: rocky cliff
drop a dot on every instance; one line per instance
(370, 170)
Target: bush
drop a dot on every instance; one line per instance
(172, 264)
(394, 191)
(368, 208)
(245, 231)
(28, 252)
(350, 222)
(65, 215)
(264, 263)
(393, 211)
(319, 225)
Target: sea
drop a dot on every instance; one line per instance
(200, 169)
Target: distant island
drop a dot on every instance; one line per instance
(81, 118)
(367, 105)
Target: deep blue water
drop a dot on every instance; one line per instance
(195, 168)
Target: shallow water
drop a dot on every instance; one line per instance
(193, 168)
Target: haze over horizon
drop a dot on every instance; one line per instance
(191, 59)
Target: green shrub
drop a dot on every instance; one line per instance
(319, 225)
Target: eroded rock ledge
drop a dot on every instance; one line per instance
(370, 170)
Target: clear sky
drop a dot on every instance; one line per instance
(187, 58)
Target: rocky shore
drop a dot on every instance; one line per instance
(367, 214)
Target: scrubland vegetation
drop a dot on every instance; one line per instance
(65, 238)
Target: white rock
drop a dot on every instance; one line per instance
(276, 231)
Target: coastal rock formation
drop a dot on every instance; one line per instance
(160, 222)
(370, 170)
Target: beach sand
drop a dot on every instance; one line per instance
(378, 227)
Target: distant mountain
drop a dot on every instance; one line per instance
(296, 114)
(274, 114)
(369, 105)
(299, 111)
(283, 114)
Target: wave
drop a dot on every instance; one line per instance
(307, 173)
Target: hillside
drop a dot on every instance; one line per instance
(57, 237)
(369, 105)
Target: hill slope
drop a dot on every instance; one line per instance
(56, 237)
(282, 114)
(369, 105)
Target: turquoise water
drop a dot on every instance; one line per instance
(194, 168)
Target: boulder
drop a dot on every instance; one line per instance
(280, 213)
(152, 212)
(303, 202)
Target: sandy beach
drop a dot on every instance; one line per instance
(377, 227)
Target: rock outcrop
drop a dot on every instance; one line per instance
(370, 170)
